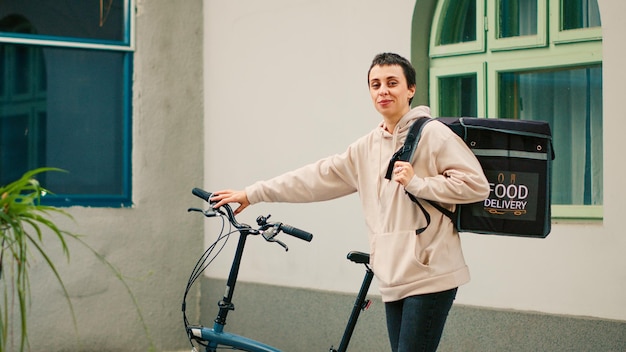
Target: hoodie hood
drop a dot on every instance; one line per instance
(405, 122)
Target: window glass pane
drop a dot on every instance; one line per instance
(571, 101)
(458, 96)
(459, 22)
(4, 71)
(75, 122)
(21, 143)
(22, 110)
(517, 18)
(96, 19)
(578, 14)
(85, 120)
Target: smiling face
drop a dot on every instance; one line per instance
(390, 91)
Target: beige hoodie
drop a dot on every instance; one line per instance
(446, 171)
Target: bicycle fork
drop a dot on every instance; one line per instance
(360, 304)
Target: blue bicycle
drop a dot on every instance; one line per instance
(211, 339)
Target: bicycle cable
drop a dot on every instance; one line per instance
(203, 263)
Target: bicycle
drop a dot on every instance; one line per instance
(213, 338)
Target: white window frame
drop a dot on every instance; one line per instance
(77, 43)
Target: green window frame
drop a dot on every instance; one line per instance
(458, 75)
(505, 21)
(464, 17)
(550, 50)
(589, 29)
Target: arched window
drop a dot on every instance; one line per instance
(532, 60)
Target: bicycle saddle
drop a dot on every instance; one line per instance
(359, 257)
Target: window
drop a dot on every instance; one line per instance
(460, 30)
(517, 24)
(520, 74)
(578, 14)
(517, 18)
(457, 95)
(571, 100)
(65, 93)
(460, 20)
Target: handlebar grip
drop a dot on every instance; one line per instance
(200, 193)
(296, 232)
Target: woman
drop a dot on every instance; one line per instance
(418, 274)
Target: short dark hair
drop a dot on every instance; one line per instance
(386, 59)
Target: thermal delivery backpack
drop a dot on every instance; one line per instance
(516, 156)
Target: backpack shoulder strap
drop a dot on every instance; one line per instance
(405, 153)
(446, 212)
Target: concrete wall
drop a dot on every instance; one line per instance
(304, 320)
(156, 242)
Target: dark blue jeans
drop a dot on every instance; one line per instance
(415, 324)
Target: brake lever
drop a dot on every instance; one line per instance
(208, 213)
(282, 244)
(270, 233)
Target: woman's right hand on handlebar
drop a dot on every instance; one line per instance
(231, 196)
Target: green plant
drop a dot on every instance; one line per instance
(23, 223)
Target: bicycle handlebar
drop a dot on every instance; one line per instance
(261, 220)
(201, 194)
(296, 232)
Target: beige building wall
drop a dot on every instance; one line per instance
(286, 85)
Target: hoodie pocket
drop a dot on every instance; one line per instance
(394, 258)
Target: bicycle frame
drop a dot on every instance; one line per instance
(216, 337)
(360, 304)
